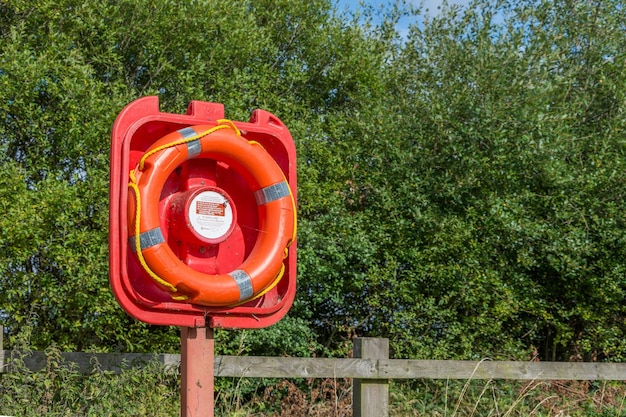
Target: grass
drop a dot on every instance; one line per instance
(60, 390)
(480, 398)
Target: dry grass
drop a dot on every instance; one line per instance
(472, 398)
(320, 398)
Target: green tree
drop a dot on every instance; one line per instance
(67, 68)
(460, 189)
(479, 210)
(482, 214)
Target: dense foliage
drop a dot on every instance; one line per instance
(461, 186)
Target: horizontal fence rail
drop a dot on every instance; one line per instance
(291, 367)
(257, 367)
(370, 369)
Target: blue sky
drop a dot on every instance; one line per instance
(433, 7)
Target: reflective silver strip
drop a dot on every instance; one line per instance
(244, 283)
(147, 239)
(271, 193)
(187, 132)
(193, 148)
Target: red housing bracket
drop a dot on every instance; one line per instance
(137, 127)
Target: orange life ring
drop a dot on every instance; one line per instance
(275, 204)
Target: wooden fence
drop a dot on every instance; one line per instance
(370, 368)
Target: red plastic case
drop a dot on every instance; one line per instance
(136, 128)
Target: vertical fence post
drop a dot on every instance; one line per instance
(197, 359)
(370, 397)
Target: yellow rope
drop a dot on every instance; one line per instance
(293, 202)
(293, 238)
(222, 124)
(282, 267)
(133, 184)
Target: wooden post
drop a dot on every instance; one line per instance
(370, 397)
(197, 358)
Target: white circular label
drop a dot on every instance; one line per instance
(210, 214)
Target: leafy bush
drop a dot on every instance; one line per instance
(460, 186)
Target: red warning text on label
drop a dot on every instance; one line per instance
(210, 208)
